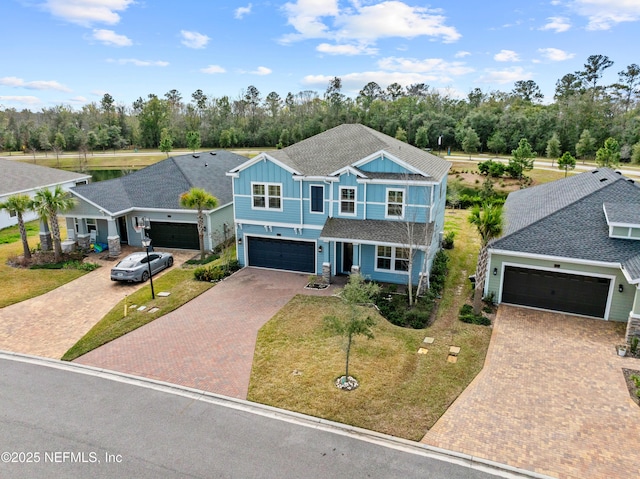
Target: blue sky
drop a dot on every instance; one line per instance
(73, 51)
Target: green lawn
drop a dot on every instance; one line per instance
(19, 284)
(401, 393)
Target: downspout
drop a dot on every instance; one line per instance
(301, 209)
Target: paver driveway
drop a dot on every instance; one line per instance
(49, 324)
(550, 399)
(208, 343)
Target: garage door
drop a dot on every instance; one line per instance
(282, 254)
(174, 235)
(569, 293)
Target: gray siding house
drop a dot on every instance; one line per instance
(108, 210)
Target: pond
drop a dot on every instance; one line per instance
(101, 175)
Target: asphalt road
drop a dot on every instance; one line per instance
(64, 421)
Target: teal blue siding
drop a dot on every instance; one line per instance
(367, 267)
(383, 165)
(267, 172)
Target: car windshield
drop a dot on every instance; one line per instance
(127, 263)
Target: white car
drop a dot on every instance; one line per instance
(135, 267)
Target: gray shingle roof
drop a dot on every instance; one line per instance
(572, 223)
(372, 231)
(161, 184)
(622, 213)
(344, 145)
(18, 176)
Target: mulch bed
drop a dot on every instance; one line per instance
(631, 385)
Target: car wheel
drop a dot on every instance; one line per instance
(145, 276)
(170, 262)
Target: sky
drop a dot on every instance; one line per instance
(72, 52)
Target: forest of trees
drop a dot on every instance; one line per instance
(583, 114)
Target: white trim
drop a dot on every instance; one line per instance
(402, 204)
(267, 196)
(393, 258)
(311, 186)
(262, 157)
(273, 224)
(588, 274)
(517, 254)
(245, 243)
(315, 178)
(382, 181)
(355, 200)
(349, 170)
(384, 155)
(372, 242)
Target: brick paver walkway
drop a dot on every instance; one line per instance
(208, 343)
(49, 324)
(550, 399)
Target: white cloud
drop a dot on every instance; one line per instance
(109, 37)
(346, 49)
(88, 12)
(261, 71)
(16, 82)
(462, 54)
(194, 39)
(506, 56)
(139, 63)
(428, 65)
(604, 14)
(555, 54)
(508, 75)
(212, 69)
(78, 100)
(368, 23)
(242, 11)
(22, 100)
(557, 24)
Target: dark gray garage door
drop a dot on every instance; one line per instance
(569, 293)
(174, 235)
(282, 254)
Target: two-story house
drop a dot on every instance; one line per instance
(349, 199)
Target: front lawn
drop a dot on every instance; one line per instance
(401, 393)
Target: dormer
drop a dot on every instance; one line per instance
(623, 220)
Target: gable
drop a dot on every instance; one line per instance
(381, 163)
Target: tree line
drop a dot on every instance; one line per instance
(583, 114)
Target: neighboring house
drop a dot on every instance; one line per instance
(573, 246)
(107, 210)
(339, 202)
(26, 178)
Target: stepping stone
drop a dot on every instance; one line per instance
(142, 308)
(454, 350)
(452, 359)
(153, 310)
(423, 351)
(132, 306)
(163, 294)
(428, 340)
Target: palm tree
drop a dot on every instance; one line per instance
(48, 204)
(199, 199)
(488, 221)
(20, 204)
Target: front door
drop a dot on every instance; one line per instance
(347, 257)
(122, 229)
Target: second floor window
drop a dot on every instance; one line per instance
(267, 196)
(317, 199)
(395, 203)
(347, 201)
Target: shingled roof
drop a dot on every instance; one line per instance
(19, 177)
(565, 218)
(373, 231)
(160, 185)
(344, 145)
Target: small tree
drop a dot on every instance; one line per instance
(401, 134)
(470, 142)
(609, 154)
(488, 221)
(566, 162)
(355, 294)
(48, 204)
(59, 144)
(553, 148)
(193, 140)
(200, 200)
(166, 142)
(635, 153)
(522, 159)
(19, 204)
(586, 145)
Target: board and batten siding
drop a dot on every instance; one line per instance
(383, 165)
(621, 303)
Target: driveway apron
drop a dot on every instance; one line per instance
(208, 343)
(551, 399)
(49, 324)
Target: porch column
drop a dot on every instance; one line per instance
(83, 234)
(113, 239)
(71, 228)
(46, 243)
(355, 265)
(633, 324)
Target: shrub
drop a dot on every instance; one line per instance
(467, 316)
(206, 260)
(447, 241)
(217, 272)
(79, 265)
(633, 345)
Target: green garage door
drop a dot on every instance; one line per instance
(174, 235)
(569, 293)
(282, 254)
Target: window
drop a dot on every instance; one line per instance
(347, 201)
(317, 199)
(392, 259)
(267, 196)
(395, 203)
(92, 225)
(12, 213)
